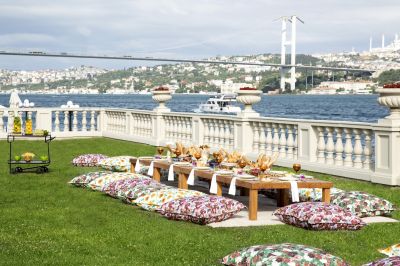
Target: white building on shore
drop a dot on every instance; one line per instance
(346, 87)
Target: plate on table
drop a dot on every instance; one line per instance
(202, 168)
(146, 158)
(224, 172)
(246, 177)
(288, 178)
(278, 172)
(228, 164)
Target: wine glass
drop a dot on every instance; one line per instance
(160, 150)
(296, 167)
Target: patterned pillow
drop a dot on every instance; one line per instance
(318, 216)
(154, 200)
(117, 164)
(315, 194)
(141, 190)
(127, 188)
(362, 204)
(391, 251)
(83, 180)
(391, 261)
(88, 159)
(100, 183)
(282, 254)
(201, 210)
(115, 186)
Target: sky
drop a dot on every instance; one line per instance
(191, 29)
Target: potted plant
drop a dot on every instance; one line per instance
(161, 95)
(389, 96)
(249, 96)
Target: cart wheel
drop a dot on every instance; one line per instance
(18, 170)
(39, 170)
(45, 169)
(13, 171)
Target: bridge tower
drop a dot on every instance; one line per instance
(292, 43)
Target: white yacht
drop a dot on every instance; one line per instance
(221, 104)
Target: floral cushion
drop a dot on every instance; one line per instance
(315, 194)
(201, 210)
(141, 190)
(391, 251)
(83, 180)
(154, 200)
(318, 216)
(117, 164)
(282, 254)
(101, 182)
(88, 159)
(391, 261)
(362, 204)
(126, 187)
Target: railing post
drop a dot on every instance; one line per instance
(307, 140)
(43, 119)
(243, 135)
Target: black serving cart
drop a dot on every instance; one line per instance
(34, 165)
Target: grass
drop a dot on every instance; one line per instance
(45, 221)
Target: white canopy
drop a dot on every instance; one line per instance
(15, 101)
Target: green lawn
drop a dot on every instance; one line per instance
(45, 221)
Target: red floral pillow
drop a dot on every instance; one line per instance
(201, 210)
(318, 216)
(392, 261)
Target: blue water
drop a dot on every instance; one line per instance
(360, 108)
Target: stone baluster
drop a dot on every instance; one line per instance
(256, 137)
(211, 132)
(75, 121)
(275, 140)
(221, 133)
(330, 146)
(290, 142)
(348, 148)
(269, 139)
(367, 149)
(92, 121)
(282, 141)
(358, 150)
(206, 131)
(66, 121)
(227, 135)
(84, 121)
(57, 121)
(321, 145)
(10, 122)
(1, 121)
(339, 147)
(261, 139)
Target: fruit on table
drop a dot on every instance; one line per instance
(17, 157)
(28, 156)
(17, 125)
(44, 158)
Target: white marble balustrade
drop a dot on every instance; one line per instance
(272, 137)
(219, 132)
(75, 120)
(142, 125)
(344, 146)
(178, 128)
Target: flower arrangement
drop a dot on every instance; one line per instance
(28, 156)
(392, 85)
(248, 89)
(162, 88)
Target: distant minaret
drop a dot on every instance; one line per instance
(370, 44)
(383, 40)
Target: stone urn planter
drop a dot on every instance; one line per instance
(161, 95)
(248, 97)
(389, 96)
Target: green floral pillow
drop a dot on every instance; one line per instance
(362, 204)
(282, 254)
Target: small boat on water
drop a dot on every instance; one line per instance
(220, 104)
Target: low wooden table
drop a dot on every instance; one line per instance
(253, 186)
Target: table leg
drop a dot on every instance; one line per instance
(182, 183)
(283, 197)
(133, 167)
(219, 189)
(326, 195)
(253, 204)
(157, 174)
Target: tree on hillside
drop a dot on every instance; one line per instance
(390, 76)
